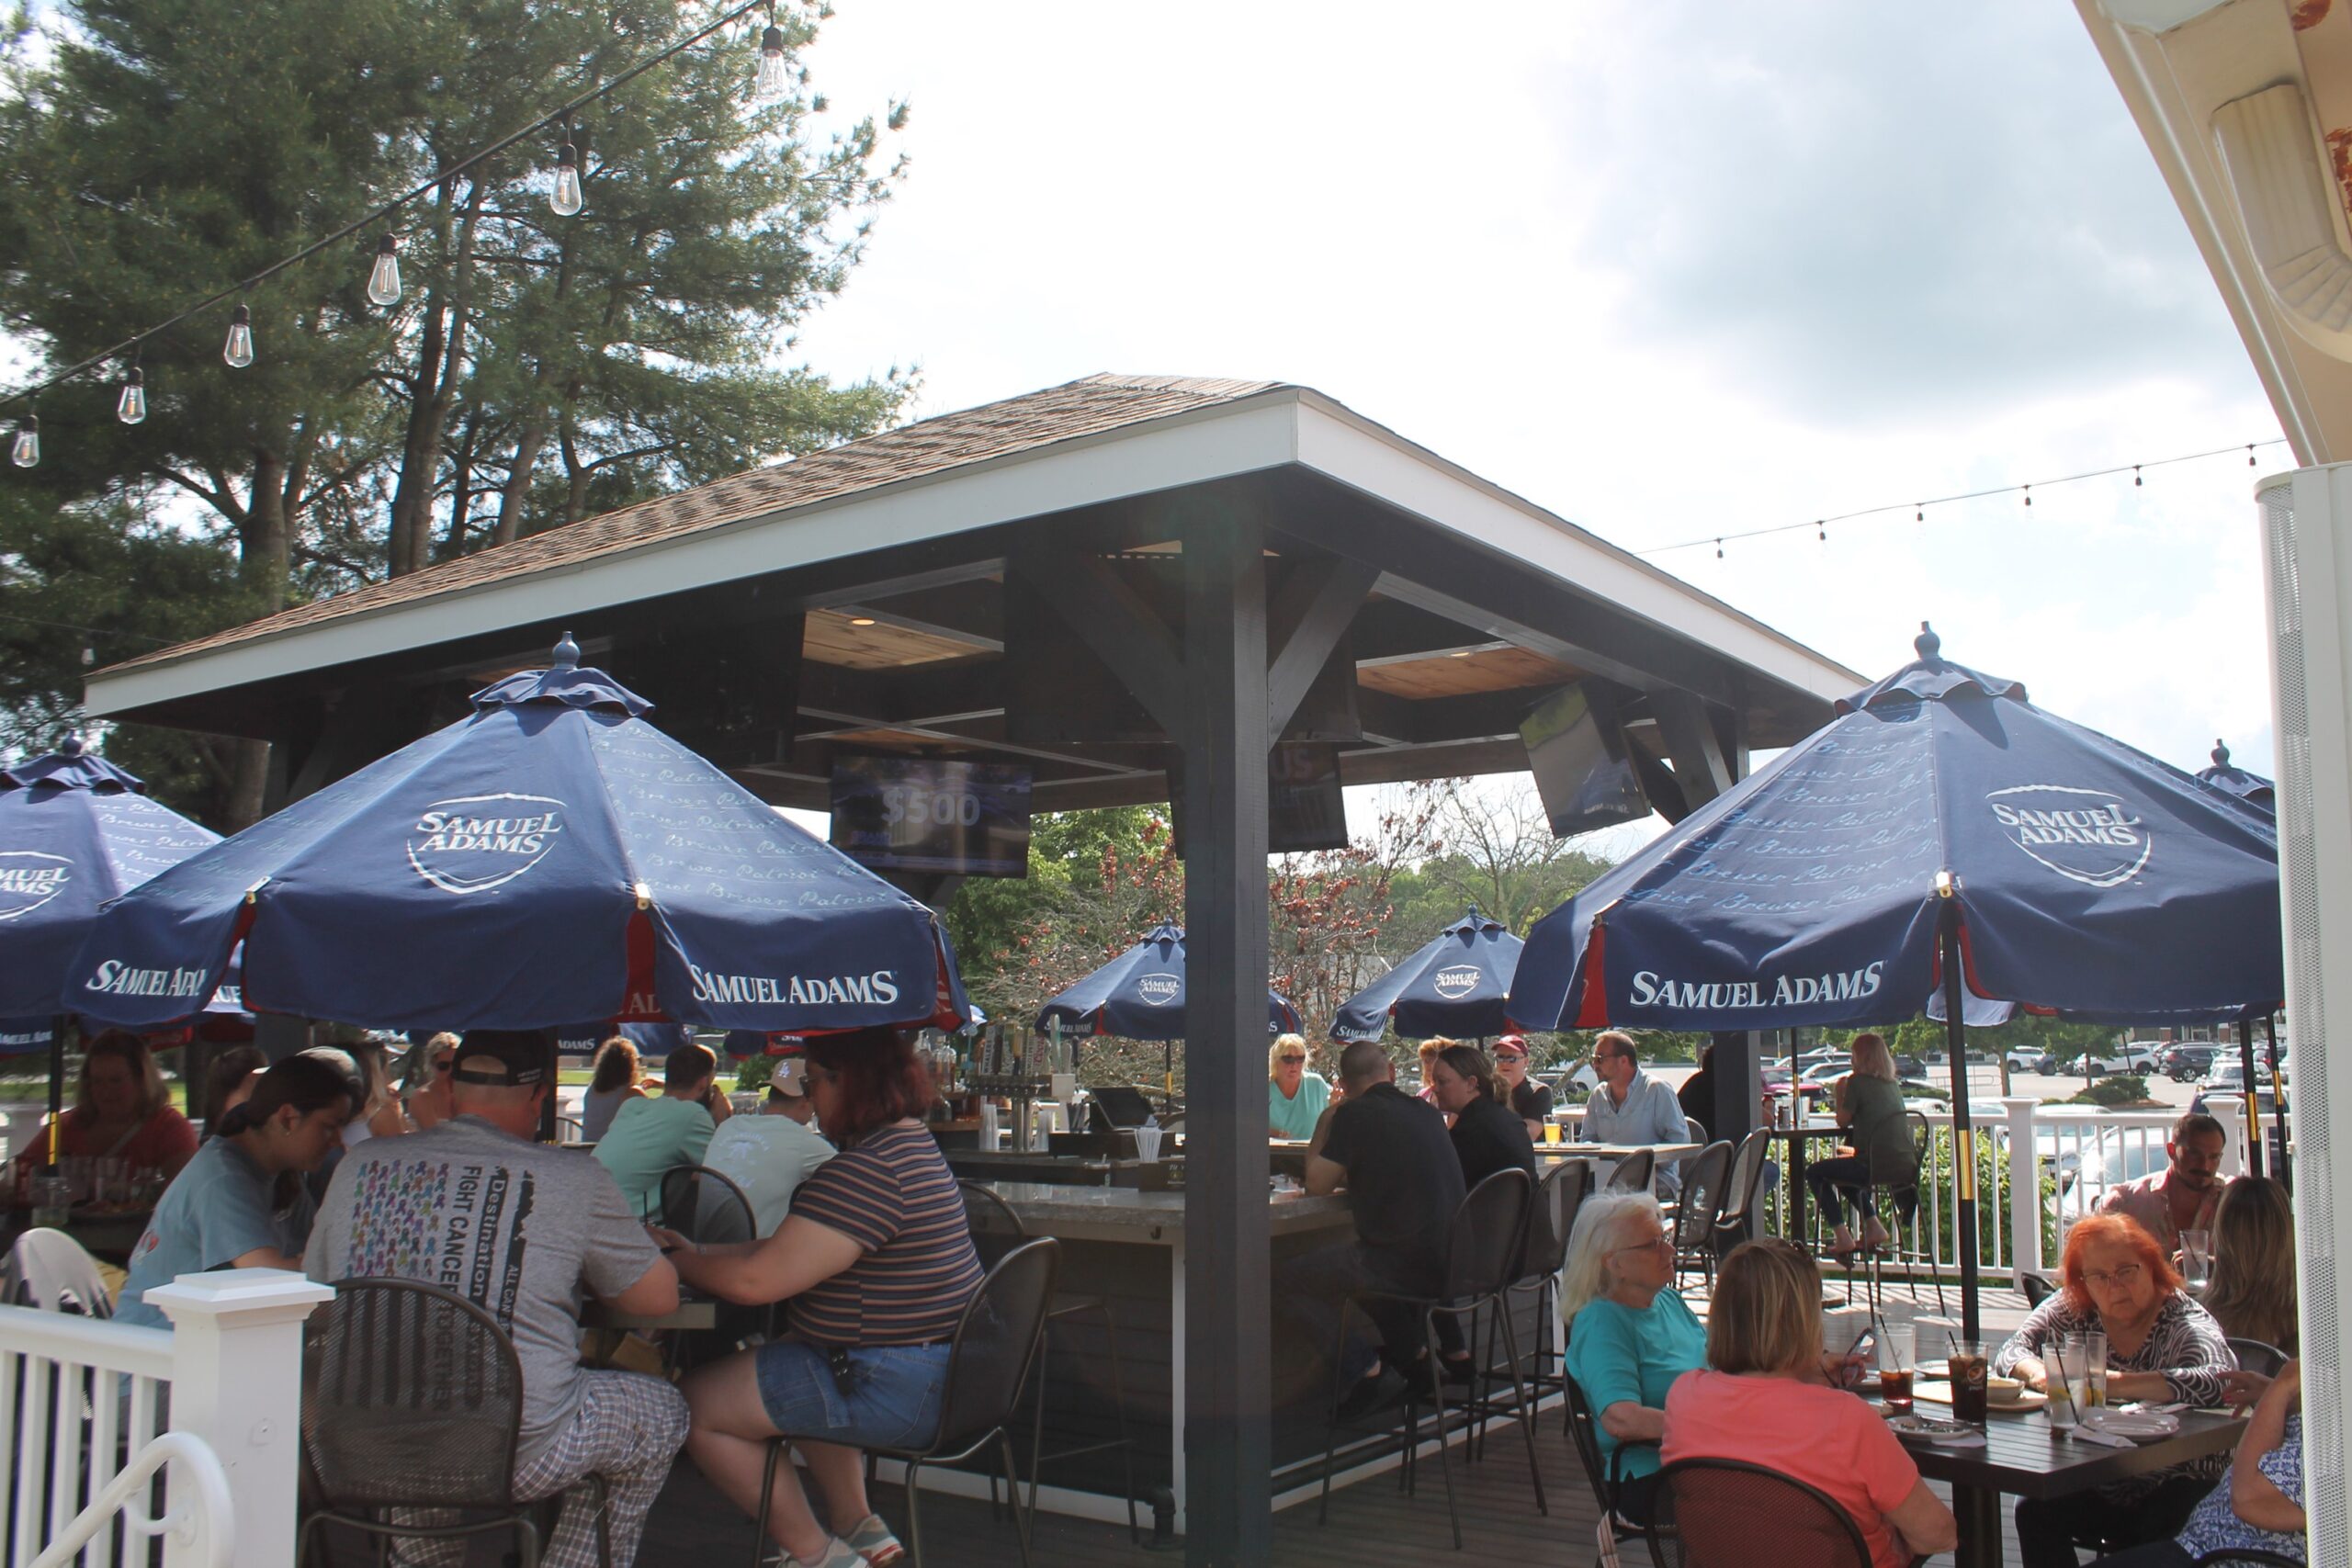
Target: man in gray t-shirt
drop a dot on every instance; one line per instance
(524, 1231)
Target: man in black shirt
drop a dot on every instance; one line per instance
(1391, 1154)
(1531, 1100)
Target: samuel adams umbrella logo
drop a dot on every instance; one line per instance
(29, 879)
(1456, 982)
(2087, 835)
(1159, 989)
(476, 842)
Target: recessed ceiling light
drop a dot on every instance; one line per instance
(861, 620)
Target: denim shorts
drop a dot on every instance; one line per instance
(893, 1400)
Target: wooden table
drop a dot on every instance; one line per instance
(2023, 1458)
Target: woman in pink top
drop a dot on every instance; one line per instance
(1765, 1398)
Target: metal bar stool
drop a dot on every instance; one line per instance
(996, 1230)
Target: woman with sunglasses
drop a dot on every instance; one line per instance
(425, 1072)
(1294, 1097)
(1631, 1336)
(2161, 1345)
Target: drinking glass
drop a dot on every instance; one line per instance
(52, 1202)
(1970, 1367)
(2063, 1371)
(2094, 1369)
(1552, 1132)
(2197, 1258)
(1897, 1364)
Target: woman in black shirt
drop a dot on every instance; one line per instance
(1488, 1135)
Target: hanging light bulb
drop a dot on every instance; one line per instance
(131, 406)
(565, 197)
(773, 84)
(384, 277)
(239, 349)
(27, 450)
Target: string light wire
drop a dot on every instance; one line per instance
(377, 216)
(1919, 508)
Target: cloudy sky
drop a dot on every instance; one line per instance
(1670, 270)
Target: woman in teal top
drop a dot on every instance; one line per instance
(1630, 1335)
(1294, 1097)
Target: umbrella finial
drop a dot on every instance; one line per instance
(1927, 644)
(567, 653)
(71, 746)
(2220, 756)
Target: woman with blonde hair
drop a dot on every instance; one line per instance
(1294, 1097)
(1630, 1335)
(2252, 1293)
(619, 1078)
(1764, 1399)
(122, 1110)
(1870, 1106)
(425, 1074)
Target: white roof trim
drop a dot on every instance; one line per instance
(1244, 437)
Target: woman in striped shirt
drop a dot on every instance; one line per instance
(875, 1266)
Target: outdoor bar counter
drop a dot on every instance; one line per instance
(1128, 1247)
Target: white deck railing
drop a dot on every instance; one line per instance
(86, 1400)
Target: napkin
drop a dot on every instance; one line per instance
(2105, 1440)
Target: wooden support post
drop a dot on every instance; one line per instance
(1229, 1373)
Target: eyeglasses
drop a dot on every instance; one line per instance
(1661, 1239)
(2122, 1275)
(1290, 1061)
(444, 1064)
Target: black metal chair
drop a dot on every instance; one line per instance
(704, 1205)
(570, 1130)
(988, 1361)
(2037, 1288)
(997, 1230)
(1481, 1255)
(1550, 1220)
(412, 1403)
(2259, 1356)
(1634, 1173)
(1740, 1192)
(1615, 1528)
(1724, 1512)
(1704, 1177)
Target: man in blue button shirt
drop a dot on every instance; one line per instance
(1630, 1107)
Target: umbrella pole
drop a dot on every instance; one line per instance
(2277, 1093)
(2253, 1107)
(1963, 1141)
(56, 1081)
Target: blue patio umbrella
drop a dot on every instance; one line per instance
(1453, 985)
(650, 1039)
(2224, 774)
(551, 856)
(75, 830)
(1140, 995)
(1940, 833)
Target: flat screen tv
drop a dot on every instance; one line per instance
(1584, 769)
(936, 813)
(1304, 807)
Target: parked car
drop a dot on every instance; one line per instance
(2184, 1062)
(1576, 1082)
(1909, 1065)
(2028, 1059)
(2134, 1057)
(2109, 1160)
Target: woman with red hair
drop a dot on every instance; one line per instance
(2160, 1345)
(875, 1265)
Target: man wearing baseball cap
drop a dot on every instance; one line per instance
(770, 1155)
(521, 1229)
(1533, 1100)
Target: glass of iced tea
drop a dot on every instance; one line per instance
(1897, 1366)
(1969, 1368)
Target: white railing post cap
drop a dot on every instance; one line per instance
(247, 1295)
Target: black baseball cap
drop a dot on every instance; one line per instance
(518, 1057)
